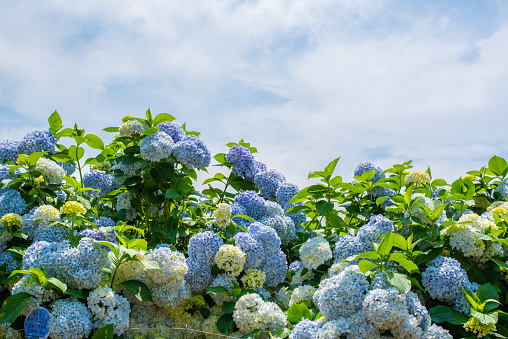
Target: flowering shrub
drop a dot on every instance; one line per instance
(124, 244)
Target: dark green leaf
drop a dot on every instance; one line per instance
(12, 307)
(441, 313)
(228, 307)
(172, 194)
(138, 289)
(487, 291)
(217, 290)
(225, 323)
(75, 293)
(105, 332)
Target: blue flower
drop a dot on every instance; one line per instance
(99, 180)
(305, 329)
(444, 278)
(266, 236)
(104, 222)
(268, 182)
(237, 209)
(68, 168)
(255, 206)
(192, 152)
(198, 275)
(51, 233)
(173, 130)
(377, 226)
(284, 194)
(4, 174)
(241, 158)
(156, 146)
(275, 268)
(284, 227)
(368, 166)
(295, 266)
(347, 246)
(11, 202)
(204, 246)
(37, 141)
(254, 251)
(8, 150)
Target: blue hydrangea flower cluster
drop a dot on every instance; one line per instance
(202, 249)
(444, 278)
(244, 164)
(11, 202)
(104, 222)
(192, 152)
(368, 166)
(4, 174)
(50, 233)
(37, 141)
(283, 225)
(254, 205)
(99, 180)
(156, 146)
(254, 251)
(69, 319)
(284, 194)
(342, 295)
(305, 329)
(68, 168)
(268, 182)
(502, 189)
(173, 130)
(8, 150)
(348, 245)
(79, 267)
(100, 236)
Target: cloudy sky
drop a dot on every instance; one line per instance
(303, 81)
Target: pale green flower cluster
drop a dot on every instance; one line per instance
(231, 259)
(46, 213)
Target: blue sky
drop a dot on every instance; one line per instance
(303, 81)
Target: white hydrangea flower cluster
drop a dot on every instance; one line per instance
(315, 252)
(149, 315)
(305, 292)
(168, 287)
(222, 215)
(46, 213)
(182, 319)
(254, 278)
(107, 307)
(252, 313)
(465, 237)
(130, 127)
(156, 146)
(231, 259)
(7, 332)
(69, 319)
(50, 169)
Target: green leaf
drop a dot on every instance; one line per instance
(111, 129)
(399, 241)
(485, 318)
(366, 266)
(439, 182)
(399, 281)
(324, 207)
(331, 167)
(150, 130)
(172, 194)
(55, 122)
(94, 141)
(500, 263)
(441, 313)
(243, 217)
(225, 323)
(149, 115)
(365, 255)
(408, 265)
(298, 312)
(161, 117)
(217, 290)
(138, 289)
(151, 264)
(75, 293)
(34, 157)
(57, 284)
(386, 245)
(283, 333)
(12, 307)
(487, 291)
(228, 307)
(473, 298)
(105, 332)
(498, 165)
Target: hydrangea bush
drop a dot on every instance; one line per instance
(128, 243)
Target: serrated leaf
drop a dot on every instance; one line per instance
(57, 284)
(228, 307)
(485, 318)
(399, 281)
(487, 291)
(225, 323)
(138, 289)
(298, 312)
